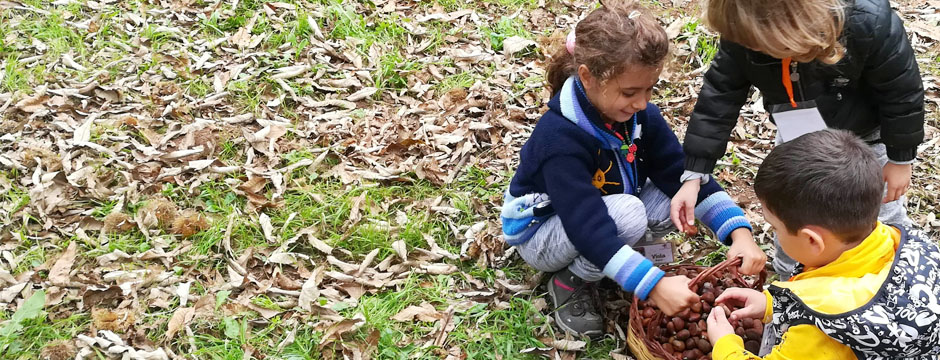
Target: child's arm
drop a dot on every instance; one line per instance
(710, 203)
(716, 110)
(593, 233)
(893, 77)
(799, 341)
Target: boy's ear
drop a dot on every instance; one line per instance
(814, 238)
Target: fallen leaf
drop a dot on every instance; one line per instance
(335, 331)
(181, 317)
(424, 312)
(568, 345)
(310, 291)
(362, 94)
(514, 44)
(113, 320)
(400, 249)
(59, 274)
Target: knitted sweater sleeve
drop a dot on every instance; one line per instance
(590, 228)
(714, 207)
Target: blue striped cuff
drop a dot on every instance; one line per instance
(633, 272)
(721, 215)
(649, 281)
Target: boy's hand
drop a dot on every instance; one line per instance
(718, 325)
(754, 303)
(743, 246)
(898, 178)
(682, 209)
(672, 294)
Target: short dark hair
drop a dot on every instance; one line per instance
(828, 178)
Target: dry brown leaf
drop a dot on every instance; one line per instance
(117, 222)
(362, 94)
(568, 345)
(514, 44)
(97, 297)
(181, 317)
(189, 223)
(354, 213)
(58, 350)
(439, 269)
(336, 331)
(400, 249)
(32, 104)
(161, 210)
(310, 291)
(112, 320)
(424, 312)
(59, 274)
(367, 262)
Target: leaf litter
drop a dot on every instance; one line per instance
(148, 108)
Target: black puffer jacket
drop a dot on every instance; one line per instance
(876, 85)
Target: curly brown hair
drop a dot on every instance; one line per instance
(608, 40)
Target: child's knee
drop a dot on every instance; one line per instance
(629, 213)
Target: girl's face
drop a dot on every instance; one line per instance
(622, 95)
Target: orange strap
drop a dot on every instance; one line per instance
(787, 84)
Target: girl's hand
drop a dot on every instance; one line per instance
(682, 210)
(718, 325)
(898, 178)
(672, 294)
(754, 303)
(743, 246)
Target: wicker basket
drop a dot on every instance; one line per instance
(641, 344)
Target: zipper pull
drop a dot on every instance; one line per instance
(794, 72)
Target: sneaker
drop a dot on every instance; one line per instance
(575, 301)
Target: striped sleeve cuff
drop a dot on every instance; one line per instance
(633, 272)
(722, 215)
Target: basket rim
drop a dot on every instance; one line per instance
(635, 326)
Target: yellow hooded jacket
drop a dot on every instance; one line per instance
(843, 285)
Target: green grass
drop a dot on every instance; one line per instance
(53, 31)
(14, 77)
(511, 5)
(156, 37)
(464, 80)
(392, 72)
(247, 94)
(706, 45)
(38, 332)
(393, 210)
(506, 27)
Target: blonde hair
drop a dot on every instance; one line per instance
(805, 30)
(611, 37)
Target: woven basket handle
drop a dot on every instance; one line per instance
(731, 265)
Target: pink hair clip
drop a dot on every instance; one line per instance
(569, 42)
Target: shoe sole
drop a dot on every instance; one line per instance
(561, 324)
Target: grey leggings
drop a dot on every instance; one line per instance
(550, 250)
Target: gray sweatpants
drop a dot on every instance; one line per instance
(894, 213)
(550, 250)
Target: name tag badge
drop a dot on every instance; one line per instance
(793, 122)
(658, 253)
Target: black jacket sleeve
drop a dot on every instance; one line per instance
(892, 76)
(716, 111)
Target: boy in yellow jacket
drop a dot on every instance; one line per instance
(867, 290)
